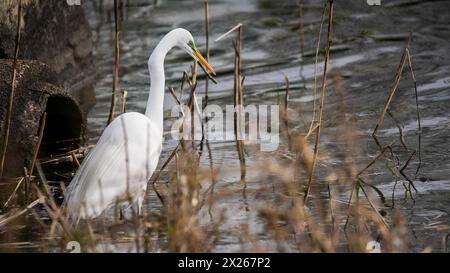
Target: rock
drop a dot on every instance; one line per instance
(56, 34)
(37, 92)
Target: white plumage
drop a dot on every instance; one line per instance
(127, 153)
(119, 167)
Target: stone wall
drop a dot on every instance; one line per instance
(56, 34)
(36, 92)
(55, 74)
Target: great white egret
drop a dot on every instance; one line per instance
(127, 153)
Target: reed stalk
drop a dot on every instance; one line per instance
(322, 98)
(7, 125)
(239, 102)
(116, 62)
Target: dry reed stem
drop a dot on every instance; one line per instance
(208, 147)
(389, 99)
(124, 101)
(213, 179)
(332, 215)
(192, 104)
(400, 130)
(68, 156)
(13, 91)
(286, 113)
(378, 191)
(239, 101)
(55, 213)
(372, 205)
(75, 159)
(26, 186)
(183, 82)
(207, 48)
(322, 98)
(445, 242)
(417, 111)
(172, 92)
(205, 120)
(406, 59)
(158, 174)
(228, 32)
(38, 144)
(116, 62)
(14, 192)
(301, 30)
(18, 214)
(41, 173)
(192, 101)
(313, 126)
(304, 154)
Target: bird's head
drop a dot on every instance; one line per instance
(187, 43)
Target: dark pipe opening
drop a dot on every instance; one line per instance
(63, 127)
(3, 55)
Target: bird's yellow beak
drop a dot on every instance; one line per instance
(203, 62)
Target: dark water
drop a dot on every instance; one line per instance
(367, 47)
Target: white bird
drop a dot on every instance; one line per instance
(127, 153)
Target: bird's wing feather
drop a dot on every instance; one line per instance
(105, 167)
(105, 156)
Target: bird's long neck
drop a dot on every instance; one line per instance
(155, 103)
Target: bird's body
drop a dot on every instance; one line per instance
(127, 153)
(125, 158)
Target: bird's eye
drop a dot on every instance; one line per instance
(191, 44)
